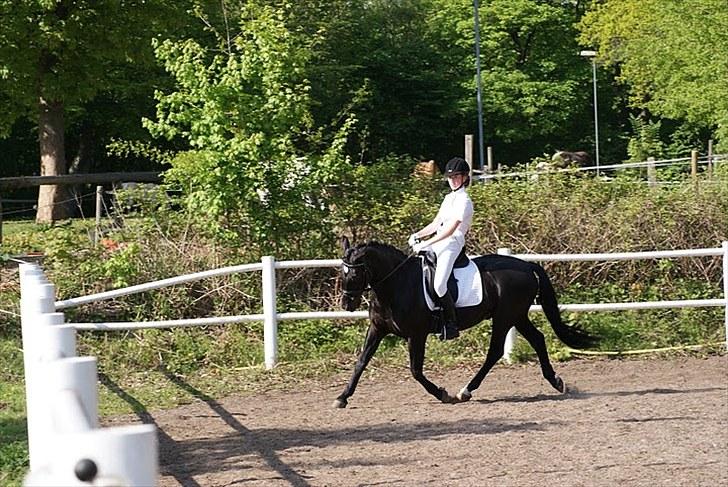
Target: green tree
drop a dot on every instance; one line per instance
(672, 54)
(56, 55)
(383, 61)
(535, 91)
(410, 67)
(256, 163)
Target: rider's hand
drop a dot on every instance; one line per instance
(416, 248)
(413, 239)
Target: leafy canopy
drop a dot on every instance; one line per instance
(256, 164)
(672, 54)
(70, 51)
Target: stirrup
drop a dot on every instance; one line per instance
(449, 333)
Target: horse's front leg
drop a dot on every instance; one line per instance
(416, 346)
(371, 343)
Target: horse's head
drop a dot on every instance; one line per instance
(354, 275)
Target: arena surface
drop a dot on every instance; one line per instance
(624, 422)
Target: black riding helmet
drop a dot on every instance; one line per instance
(457, 165)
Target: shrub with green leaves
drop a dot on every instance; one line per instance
(255, 164)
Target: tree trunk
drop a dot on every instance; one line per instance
(52, 161)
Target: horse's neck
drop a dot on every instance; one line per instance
(384, 260)
(392, 277)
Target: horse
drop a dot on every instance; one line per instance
(580, 158)
(397, 306)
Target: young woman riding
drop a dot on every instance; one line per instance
(450, 227)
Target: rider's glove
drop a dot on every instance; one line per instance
(416, 248)
(413, 239)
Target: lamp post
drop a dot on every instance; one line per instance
(592, 55)
(476, 21)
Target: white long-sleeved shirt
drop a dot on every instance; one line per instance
(457, 205)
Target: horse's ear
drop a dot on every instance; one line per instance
(345, 243)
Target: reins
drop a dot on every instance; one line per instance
(392, 272)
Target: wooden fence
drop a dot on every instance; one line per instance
(71, 179)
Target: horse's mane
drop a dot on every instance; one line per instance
(385, 247)
(373, 244)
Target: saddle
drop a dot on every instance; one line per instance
(429, 262)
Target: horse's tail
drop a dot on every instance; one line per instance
(570, 335)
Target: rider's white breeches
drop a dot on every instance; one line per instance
(447, 251)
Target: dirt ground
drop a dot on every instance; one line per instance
(623, 422)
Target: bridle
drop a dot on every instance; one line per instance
(356, 292)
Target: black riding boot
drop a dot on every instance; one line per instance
(450, 328)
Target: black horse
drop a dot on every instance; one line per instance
(398, 306)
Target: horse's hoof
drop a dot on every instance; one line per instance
(559, 385)
(340, 403)
(464, 395)
(446, 398)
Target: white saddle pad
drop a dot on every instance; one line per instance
(470, 287)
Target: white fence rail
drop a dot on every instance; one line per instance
(271, 316)
(707, 160)
(617, 256)
(65, 444)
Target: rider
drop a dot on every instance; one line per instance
(449, 226)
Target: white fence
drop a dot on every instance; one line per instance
(710, 161)
(668, 254)
(65, 444)
(271, 316)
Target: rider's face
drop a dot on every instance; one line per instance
(456, 180)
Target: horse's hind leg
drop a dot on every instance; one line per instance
(495, 352)
(536, 339)
(371, 343)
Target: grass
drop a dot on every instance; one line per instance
(15, 227)
(14, 445)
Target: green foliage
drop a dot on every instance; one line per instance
(671, 58)
(243, 107)
(534, 87)
(14, 445)
(314, 338)
(71, 51)
(646, 140)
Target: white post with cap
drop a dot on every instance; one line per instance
(270, 316)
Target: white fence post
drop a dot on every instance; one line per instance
(122, 456)
(511, 336)
(55, 339)
(37, 297)
(725, 288)
(77, 374)
(64, 442)
(270, 318)
(51, 340)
